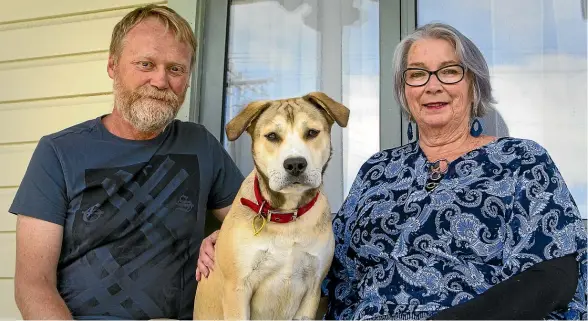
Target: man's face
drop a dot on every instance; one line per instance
(150, 76)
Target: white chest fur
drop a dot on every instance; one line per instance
(284, 270)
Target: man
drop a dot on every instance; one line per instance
(111, 211)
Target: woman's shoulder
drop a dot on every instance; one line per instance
(392, 154)
(519, 152)
(519, 146)
(388, 159)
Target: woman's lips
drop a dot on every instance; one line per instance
(437, 105)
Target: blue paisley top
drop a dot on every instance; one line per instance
(405, 253)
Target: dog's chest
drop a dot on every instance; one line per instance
(297, 257)
(286, 260)
(283, 272)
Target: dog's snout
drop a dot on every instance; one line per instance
(295, 165)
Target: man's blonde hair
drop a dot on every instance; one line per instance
(170, 18)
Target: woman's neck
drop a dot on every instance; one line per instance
(449, 145)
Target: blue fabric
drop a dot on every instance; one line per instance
(404, 253)
(132, 212)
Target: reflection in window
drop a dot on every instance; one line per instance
(536, 50)
(287, 48)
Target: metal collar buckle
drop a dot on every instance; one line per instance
(261, 208)
(270, 212)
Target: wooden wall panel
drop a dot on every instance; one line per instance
(28, 121)
(18, 10)
(7, 220)
(8, 309)
(14, 160)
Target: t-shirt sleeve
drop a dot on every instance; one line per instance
(227, 177)
(42, 193)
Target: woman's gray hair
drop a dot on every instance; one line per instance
(470, 56)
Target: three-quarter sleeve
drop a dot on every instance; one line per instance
(545, 224)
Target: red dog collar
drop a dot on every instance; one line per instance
(262, 207)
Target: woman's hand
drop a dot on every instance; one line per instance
(206, 256)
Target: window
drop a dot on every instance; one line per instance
(279, 49)
(536, 51)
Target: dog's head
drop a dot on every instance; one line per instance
(291, 138)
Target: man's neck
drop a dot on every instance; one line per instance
(118, 126)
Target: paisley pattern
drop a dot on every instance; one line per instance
(404, 253)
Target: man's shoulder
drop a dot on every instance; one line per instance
(189, 126)
(196, 132)
(76, 130)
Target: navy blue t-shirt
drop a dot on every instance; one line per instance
(133, 214)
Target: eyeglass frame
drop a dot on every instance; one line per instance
(434, 73)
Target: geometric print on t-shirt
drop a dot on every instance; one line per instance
(129, 239)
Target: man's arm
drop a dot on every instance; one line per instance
(227, 179)
(206, 255)
(221, 213)
(38, 246)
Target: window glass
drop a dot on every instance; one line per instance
(287, 48)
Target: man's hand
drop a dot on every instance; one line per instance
(206, 256)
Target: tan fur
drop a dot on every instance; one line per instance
(276, 274)
(336, 110)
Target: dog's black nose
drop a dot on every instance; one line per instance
(295, 165)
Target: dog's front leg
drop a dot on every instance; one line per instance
(236, 298)
(309, 304)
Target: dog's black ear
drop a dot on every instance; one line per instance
(239, 124)
(337, 111)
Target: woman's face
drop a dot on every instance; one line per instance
(436, 105)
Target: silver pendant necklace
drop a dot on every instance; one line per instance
(435, 173)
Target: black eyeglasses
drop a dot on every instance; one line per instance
(416, 77)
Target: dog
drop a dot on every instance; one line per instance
(276, 244)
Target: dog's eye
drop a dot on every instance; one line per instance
(272, 137)
(312, 133)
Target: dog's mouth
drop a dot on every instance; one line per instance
(294, 188)
(284, 183)
(299, 183)
(298, 180)
(296, 183)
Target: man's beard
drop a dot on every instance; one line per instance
(147, 108)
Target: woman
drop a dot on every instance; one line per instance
(456, 225)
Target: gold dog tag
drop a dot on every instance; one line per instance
(256, 223)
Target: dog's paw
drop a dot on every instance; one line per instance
(301, 318)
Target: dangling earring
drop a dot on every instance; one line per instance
(476, 128)
(409, 132)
